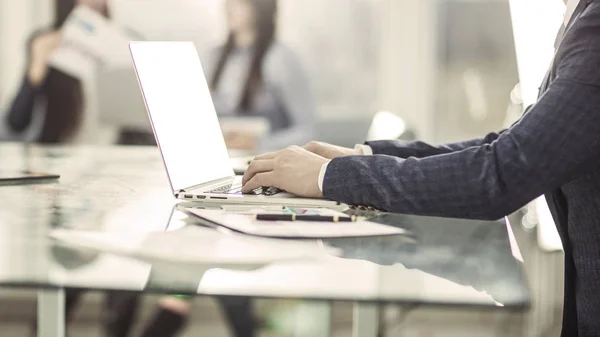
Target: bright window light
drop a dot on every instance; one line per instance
(535, 25)
(386, 125)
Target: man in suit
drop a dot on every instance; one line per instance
(553, 150)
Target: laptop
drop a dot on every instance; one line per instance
(187, 130)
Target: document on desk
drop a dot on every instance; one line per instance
(195, 245)
(245, 222)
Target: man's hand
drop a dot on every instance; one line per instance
(294, 170)
(330, 151)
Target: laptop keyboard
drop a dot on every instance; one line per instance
(228, 189)
(236, 189)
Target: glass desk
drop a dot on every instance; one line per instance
(452, 263)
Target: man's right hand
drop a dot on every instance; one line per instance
(330, 151)
(41, 47)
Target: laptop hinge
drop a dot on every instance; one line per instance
(200, 186)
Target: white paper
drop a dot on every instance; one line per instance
(194, 244)
(295, 229)
(73, 62)
(94, 36)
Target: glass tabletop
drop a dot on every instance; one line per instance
(124, 191)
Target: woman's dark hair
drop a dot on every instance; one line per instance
(62, 10)
(64, 93)
(266, 13)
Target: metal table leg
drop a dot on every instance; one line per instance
(313, 319)
(365, 322)
(51, 313)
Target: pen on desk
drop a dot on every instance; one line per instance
(301, 217)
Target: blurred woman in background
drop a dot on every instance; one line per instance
(255, 75)
(49, 96)
(252, 75)
(51, 103)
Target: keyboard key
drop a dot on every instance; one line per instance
(237, 189)
(227, 189)
(271, 191)
(266, 191)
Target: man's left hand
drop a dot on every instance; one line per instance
(294, 170)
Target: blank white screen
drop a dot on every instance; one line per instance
(182, 113)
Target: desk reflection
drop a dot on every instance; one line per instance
(124, 192)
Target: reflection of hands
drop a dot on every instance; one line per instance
(41, 47)
(241, 141)
(294, 170)
(330, 151)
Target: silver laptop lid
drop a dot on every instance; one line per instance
(119, 101)
(181, 112)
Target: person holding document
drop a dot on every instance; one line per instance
(255, 75)
(53, 98)
(52, 104)
(554, 149)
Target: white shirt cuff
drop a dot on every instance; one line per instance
(364, 149)
(322, 176)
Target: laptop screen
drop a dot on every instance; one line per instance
(181, 110)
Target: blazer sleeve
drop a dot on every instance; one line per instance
(21, 111)
(556, 141)
(419, 149)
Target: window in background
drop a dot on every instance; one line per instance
(476, 68)
(340, 43)
(534, 42)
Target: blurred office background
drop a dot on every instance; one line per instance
(446, 67)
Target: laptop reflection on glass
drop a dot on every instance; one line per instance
(187, 130)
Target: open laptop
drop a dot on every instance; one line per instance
(187, 129)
